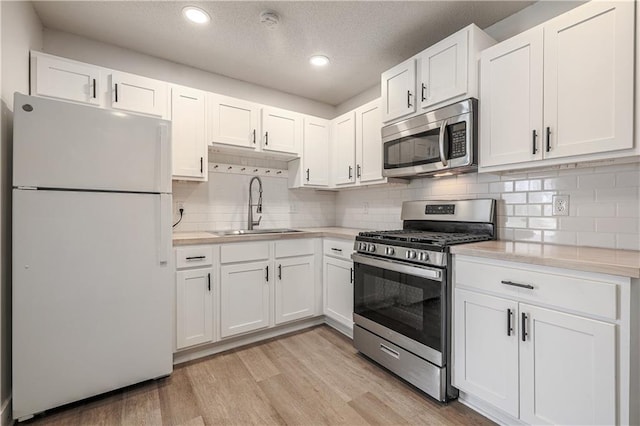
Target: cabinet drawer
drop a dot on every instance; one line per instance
(288, 248)
(187, 257)
(338, 248)
(244, 252)
(550, 287)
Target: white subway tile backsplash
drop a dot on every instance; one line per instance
(617, 194)
(617, 224)
(628, 209)
(628, 241)
(543, 223)
(563, 182)
(597, 180)
(513, 222)
(596, 239)
(540, 197)
(630, 178)
(559, 237)
(576, 224)
(594, 209)
(530, 235)
(501, 187)
(515, 198)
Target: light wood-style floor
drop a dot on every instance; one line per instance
(312, 377)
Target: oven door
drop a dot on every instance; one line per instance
(403, 303)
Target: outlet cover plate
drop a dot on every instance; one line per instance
(560, 205)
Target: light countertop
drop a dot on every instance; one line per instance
(203, 237)
(590, 259)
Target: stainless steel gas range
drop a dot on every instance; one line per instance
(402, 289)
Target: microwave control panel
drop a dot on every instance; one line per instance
(458, 140)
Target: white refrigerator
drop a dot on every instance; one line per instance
(92, 268)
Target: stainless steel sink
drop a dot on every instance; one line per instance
(255, 231)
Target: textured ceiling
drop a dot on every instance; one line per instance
(362, 38)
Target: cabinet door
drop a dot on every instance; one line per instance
(69, 80)
(138, 94)
(344, 144)
(281, 131)
(338, 290)
(194, 307)
(511, 107)
(443, 70)
(588, 79)
(369, 142)
(315, 155)
(244, 297)
(485, 352)
(233, 121)
(567, 369)
(398, 90)
(294, 288)
(188, 141)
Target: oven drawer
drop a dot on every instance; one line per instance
(188, 257)
(412, 368)
(561, 288)
(338, 248)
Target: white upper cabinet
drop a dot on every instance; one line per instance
(188, 141)
(511, 119)
(369, 143)
(439, 75)
(588, 79)
(443, 70)
(281, 131)
(398, 91)
(134, 93)
(65, 79)
(560, 92)
(233, 121)
(315, 156)
(344, 150)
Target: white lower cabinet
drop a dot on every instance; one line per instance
(194, 307)
(516, 349)
(294, 288)
(195, 296)
(338, 283)
(244, 297)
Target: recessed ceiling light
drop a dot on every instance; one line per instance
(319, 60)
(195, 14)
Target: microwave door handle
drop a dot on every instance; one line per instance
(443, 132)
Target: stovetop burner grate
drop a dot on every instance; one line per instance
(426, 237)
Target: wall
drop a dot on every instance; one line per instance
(21, 30)
(604, 204)
(222, 202)
(94, 52)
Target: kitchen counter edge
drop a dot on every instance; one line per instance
(202, 237)
(589, 259)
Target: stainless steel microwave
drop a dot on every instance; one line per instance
(436, 143)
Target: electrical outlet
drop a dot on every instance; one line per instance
(560, 205)
(365, 208)
(179, 205)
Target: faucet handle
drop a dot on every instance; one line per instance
(257, 223)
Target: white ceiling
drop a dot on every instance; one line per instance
(362, 38)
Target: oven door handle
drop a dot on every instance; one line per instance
(403, 268)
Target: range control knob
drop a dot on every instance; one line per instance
(411, 254)
(424, 257)
(362, 246)
(371, 248)
(389, 251)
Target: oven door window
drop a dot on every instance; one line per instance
(407, 304)
(415, 150)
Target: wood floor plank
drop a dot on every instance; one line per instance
(178, 403)
(141, 406)
(257, 362)
(312, 377)
(375, 411)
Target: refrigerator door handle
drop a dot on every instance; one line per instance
(165, 160)
(164, 244)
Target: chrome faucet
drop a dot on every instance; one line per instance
(250, 222)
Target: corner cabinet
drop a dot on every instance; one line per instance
(443, 73)
(568, 89)
(188, 140)
(525, 345)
